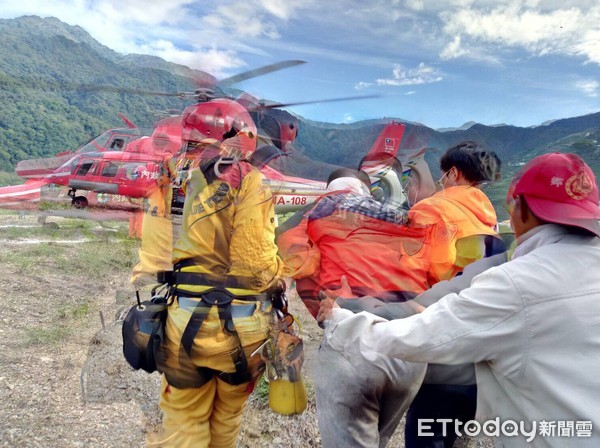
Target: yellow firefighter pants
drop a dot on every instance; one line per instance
(209, 416)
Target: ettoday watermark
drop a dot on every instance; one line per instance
(507, 428)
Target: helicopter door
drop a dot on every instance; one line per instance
(85, 168)
(109, 169)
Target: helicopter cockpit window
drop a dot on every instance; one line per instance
(110, 170)
(84, 168)
(117, 144)
(94, 144)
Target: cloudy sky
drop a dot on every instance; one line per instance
(441, 63)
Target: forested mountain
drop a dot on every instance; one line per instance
(42, 61)
(510, 142)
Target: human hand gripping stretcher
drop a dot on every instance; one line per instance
(328, 302)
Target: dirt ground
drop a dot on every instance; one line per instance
(63, 379)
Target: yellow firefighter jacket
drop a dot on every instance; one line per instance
(157, 227)
(227, 237)
(228, 231)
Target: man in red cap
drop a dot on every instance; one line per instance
(530, 325)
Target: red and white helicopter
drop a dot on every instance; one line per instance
(121, 166)
(113, 179)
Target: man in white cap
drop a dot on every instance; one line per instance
(531, 325)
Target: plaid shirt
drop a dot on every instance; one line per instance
(364, 205)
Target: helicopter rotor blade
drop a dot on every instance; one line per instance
(260, 107)
(207, 82)
(201, 94)
(126, 90)
(258, 72)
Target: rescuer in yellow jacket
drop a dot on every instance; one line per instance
(227, 241)
(223, 263)
(156, 227)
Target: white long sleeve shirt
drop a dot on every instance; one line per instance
(531, 325)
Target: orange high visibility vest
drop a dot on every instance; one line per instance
(458, 218)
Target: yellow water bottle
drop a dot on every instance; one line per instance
(286, 397)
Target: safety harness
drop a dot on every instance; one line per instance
(215, 296)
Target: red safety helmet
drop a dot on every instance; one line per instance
(220, 121)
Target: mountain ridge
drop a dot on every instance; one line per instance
(39, 119)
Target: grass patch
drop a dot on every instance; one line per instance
(261, 391)
(49, 206)
(109, 250)
(74, 310)
(44, 250)
(15, 233)
(7, 212)
(35, 255)
(98, 258)
(46, 336)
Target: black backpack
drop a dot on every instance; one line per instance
(144, 331)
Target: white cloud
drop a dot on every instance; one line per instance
(283, 9)
(348, 118)
(540, 28)
(416, 5)
(148, 12)
(253, 18)
(590, 87)
(241, 19)
(411, 92)
(362, 85)
(211, 60)
(453, 50)
(589, 46)
(422, 74)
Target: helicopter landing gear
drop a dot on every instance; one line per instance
(80, 202)
(77, 201)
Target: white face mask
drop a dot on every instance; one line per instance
(446, 182)
(351, 184)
